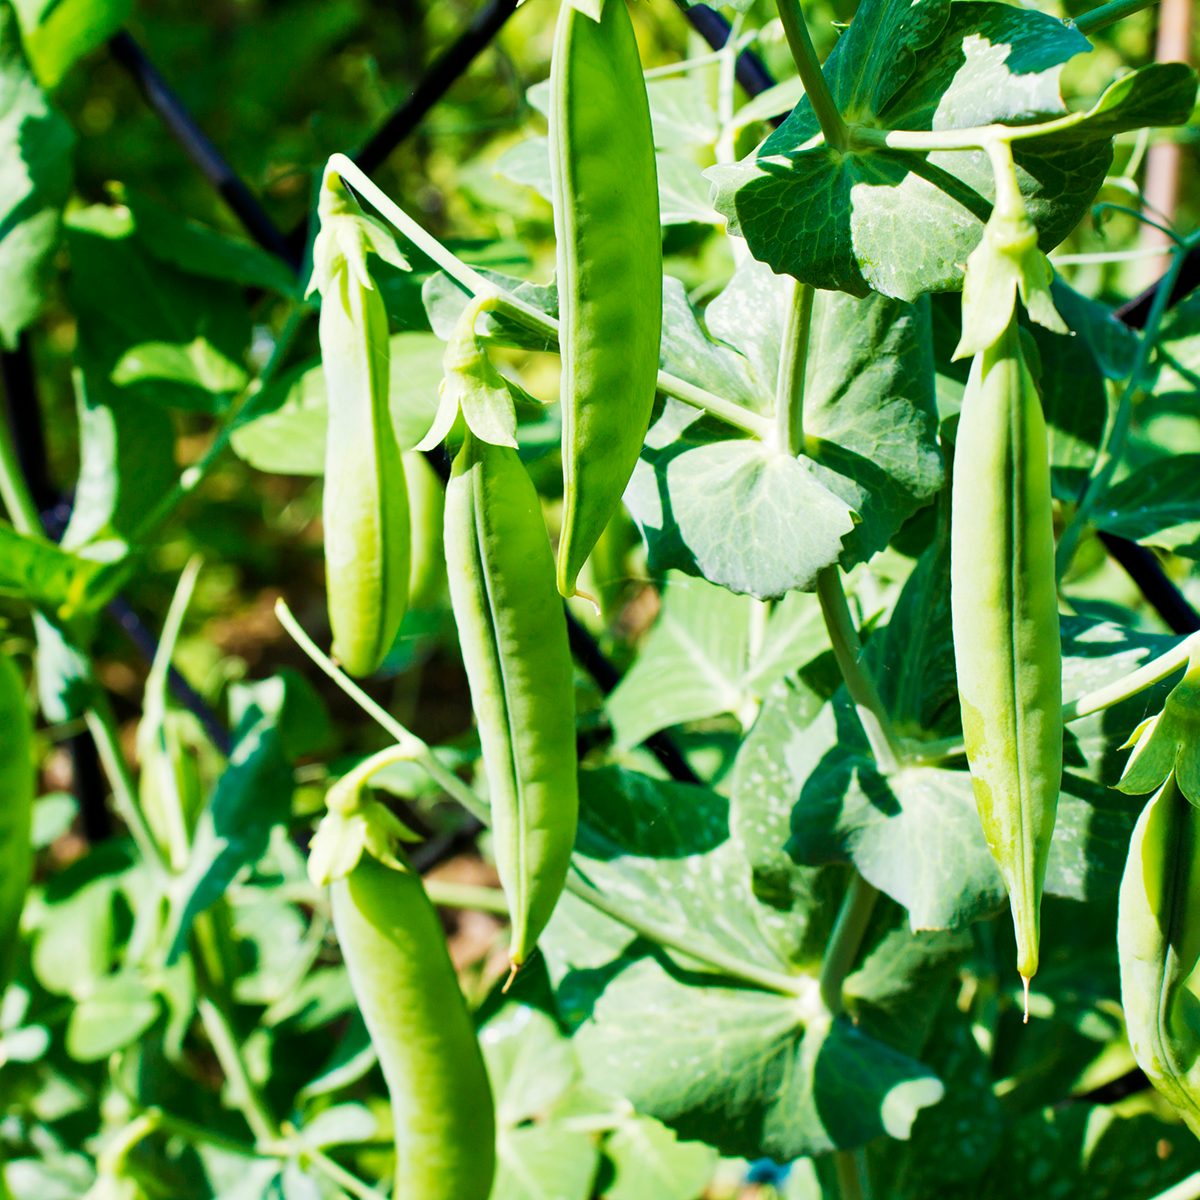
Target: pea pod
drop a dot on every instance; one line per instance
(514, 645)
(408, 995)
(16, 809)
(609, 268)
(1158, 943)
(365, 508)
(1005, 620)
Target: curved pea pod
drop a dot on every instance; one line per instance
(404, 982)
(1005, 621)
(16, 810)
(609, 267)
(514, 645)
(1158, 944)
(365, 506)
(426, 505)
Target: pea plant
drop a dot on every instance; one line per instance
(832, 795)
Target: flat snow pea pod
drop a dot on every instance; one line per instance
(514, 644)
(1005, 619)
(16, 810)
(1158, 944)
(609, 270)
(365, 508)
(404, 982)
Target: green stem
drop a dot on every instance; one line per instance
(846, 941)
(1104, 468)
(467, 895)
(242, 1092)
(415, 748)
(1106, 14)
(190, 478)
(420, 753)
(111, 1160)
(1137, 681)
(103, 728)
(14, 491)
(190, 1131)
(847, 650)
(809, 68)
(793, 363)
(526, 314)
(1186, 1189)
(333, 1171)
(845, 1164)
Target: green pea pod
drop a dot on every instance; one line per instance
(1005, 619)
(426, 501)
(365, 509)
(16, 810)
(609, 270)
(514, 645)
(1158, 943)
(404, 982)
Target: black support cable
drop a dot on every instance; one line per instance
(750, 70)
(23, 413)
(1136, 312)
(196, 145)
(442, 74)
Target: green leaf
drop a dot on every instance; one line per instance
(285, 434)
(545, 1162)
(197, 249)
(749, 1071)
(40, 572)
(126, 462)
(650, 1163)
(36, 182)
(754, 520)
(60, 32)
(1156, 505)
(110, 1016)
(276, 722)
(161, 335)
(902, 222)
(696, 661)
(915, 834)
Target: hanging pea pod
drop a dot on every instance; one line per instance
(514, 646)
(406, 989)
(1158, 943)
(1004, 602)
(16, 810)
(609, 271)
(1005, 622)
(365, 509)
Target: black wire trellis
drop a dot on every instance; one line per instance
(17, 373)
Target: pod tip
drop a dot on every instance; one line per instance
(1025, 981)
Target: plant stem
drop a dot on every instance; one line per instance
(1109, 457)
(420, 753)
(1185, 1189)
(243, 1094)
(845, 1164)
(445, 894)
(847, 650)
(1106, 14)
(1129, 685)
(809, 68)
(526, 314)
(846, 940)
(191, 477)
(793, 362)
(103, 728)
(14, 491)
